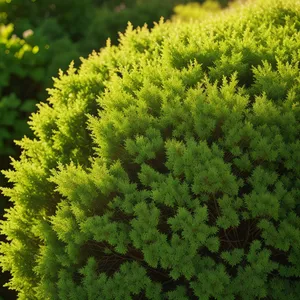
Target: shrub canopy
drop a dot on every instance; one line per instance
(166, 168)
(196, 11)
(39, 37)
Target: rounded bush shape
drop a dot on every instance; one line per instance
(166, 168)
(53, 35)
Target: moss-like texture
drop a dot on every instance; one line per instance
(166, 168)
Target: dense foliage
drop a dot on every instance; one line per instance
(166, 167)
(18, 62)
(48, 36)
(26, 67)
(196, 11)
(42, 36)
(37, 37)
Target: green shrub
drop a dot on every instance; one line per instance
(166, 168)
(42, 36)
(57, 32)
(196, 11)
(16, 104)
(26, 67)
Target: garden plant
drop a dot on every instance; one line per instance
(196, 11)
(166, 167)
(39, 37)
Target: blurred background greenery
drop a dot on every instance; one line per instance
(39, 37)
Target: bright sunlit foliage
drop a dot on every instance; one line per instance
(196, 11)
(166, 167)
(39, 37)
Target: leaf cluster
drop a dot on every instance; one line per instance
(39, 37)
(166, 167)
